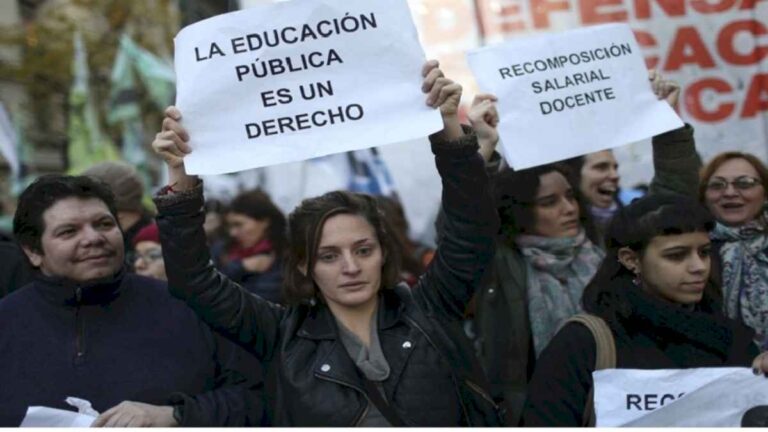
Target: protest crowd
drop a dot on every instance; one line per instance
(194, 311)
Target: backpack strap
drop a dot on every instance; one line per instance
(605, 356)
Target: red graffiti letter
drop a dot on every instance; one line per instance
(688, 36)
(541, 8)
(591, 15)
(670, 7)
(719, 6)
(757, 96)
(647, 41)
(726, 42)
(693, 100)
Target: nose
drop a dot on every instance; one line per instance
(92, 236)
(350, 264)
(699, 264)
(730, 190)
(613, 174)
(569, 206)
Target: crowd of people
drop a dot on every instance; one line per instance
(233, 314)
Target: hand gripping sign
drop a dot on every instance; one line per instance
(295, 80)
(711, 397)
(568, 94)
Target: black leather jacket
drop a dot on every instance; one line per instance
(435, 379)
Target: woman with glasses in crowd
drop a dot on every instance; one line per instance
(733, 187)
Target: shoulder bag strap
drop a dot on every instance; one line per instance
(374, 395)
(605, 356)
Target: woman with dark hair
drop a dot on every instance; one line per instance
(253, 254)
(354, 347)
(733, 186)
(654, 292)
(675, 162)
(548, 250)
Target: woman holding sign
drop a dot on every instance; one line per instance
(654, 292)
(733, 187)
(548, 251)
(355, 348)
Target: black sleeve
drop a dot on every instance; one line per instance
(676, 164)
(468, 224)
(562, 379)
(234, 312)
(237, 396)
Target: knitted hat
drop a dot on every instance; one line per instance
(148, 233)
(124, 181)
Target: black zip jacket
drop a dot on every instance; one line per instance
(435, 379)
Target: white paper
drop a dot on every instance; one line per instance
(38, 416)
(711, 397)
(379, 70)
(620, 107)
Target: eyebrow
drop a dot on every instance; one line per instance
(356, 243)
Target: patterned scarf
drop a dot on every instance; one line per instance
(558, 270)
(745, 275)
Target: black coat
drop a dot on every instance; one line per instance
(120, 339)
(656, 335)
(435, 379)
(15, 271)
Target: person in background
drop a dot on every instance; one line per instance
(354, 348)
(86, 328)
(215, 226)
(415, 256)
(14, 270)
(128, 190)
(733, 187)
(253, 254)
(654, 292)
(548, 250)
(675, 162)
(147, 256)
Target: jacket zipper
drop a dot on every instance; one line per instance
(453, 375)
(78, 327)
(361, 417)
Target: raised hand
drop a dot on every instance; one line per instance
(444, 94)
(664, 89)
(484, 119)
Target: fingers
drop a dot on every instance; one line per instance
(484, 112)
(428, 66)
(428, 85)
(448, 90)
(760, 365)
(172, 125)
(173, 113)
(484, 97)
(105, 417)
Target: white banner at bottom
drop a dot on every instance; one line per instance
(711, 397)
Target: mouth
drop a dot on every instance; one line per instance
(731, 206)
(355, 284)
(695, 286)
(95, 258)
(574, 223)
(607, 190)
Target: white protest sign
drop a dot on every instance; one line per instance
(294, 80)
(568, 94)
(710, 397)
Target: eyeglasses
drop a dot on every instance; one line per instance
(742, 183)
(148, 256)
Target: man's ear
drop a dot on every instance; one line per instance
(629, 259)
(36, 258)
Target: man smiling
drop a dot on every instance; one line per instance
(86, 328)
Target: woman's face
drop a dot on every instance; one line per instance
(348, 262)
(600, 178)
(148, 260)
(732, 195)
(676, 267)
(245, 230)
(555, 210)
